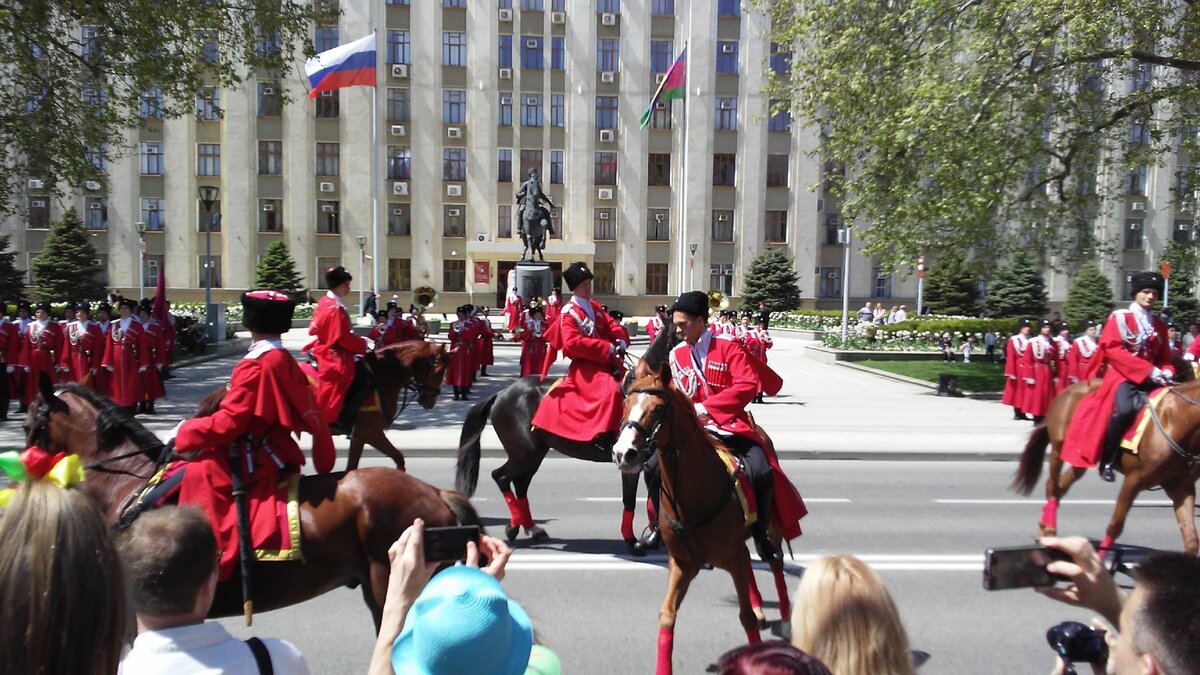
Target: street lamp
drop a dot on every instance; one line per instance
(362, 282)
(692, 266)
(844, 236)
(208, 194)
(141, 230)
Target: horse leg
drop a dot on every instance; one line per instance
(374, 590)
(503, 481)
(760, 617)
(1057, 485)
(678, 580)
(785, 603)
(521, 485)
(1130, 487)
(629, 489)
(1182, 491)
(356, 449)
(378, 439)
(743, 574)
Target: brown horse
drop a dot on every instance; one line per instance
(348, 519)
(414, 368)
(701, 519)
(1168, 455)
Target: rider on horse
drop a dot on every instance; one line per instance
(531, 196)
(342, 384)
(1133, 346)
(722, 379)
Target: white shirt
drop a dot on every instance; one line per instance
(335, 296)
(204, 648)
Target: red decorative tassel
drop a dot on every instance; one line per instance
(627, 525)
(666, 646)
(650, 514)
(753, 637)
(514, 513)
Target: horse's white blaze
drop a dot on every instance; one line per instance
(625, 442)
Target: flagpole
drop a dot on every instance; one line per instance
(375, 177)
(684, 249)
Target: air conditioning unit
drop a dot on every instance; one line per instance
(658, 79)
(454, 132)
(327, 187)
(1138, 206)
(604, 193)
(35, 184)
(328, 208)
(481, 237)
(92, 185)
(505, 99)
(1135, 225)
(506, 73)
(831, 275)
(453, 213)
(268, 207)
(1183, 227)
(558, 17)
(453, 190)
(608, 19)
(605, 215)
(729, 272)
(607, 135)
(608, 77)
(268, 91)
(399, 130)
(327, 94)
(727, 49)
(400, 189)
(151, 149)
(714, 271)
(531, 100)
(723, 217)
(397, 211)
(726, 104)
(531, 44)
(38, 203)
(400, 70)
(95, 206)
(506, 15)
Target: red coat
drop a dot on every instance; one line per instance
(654, 325)
(83, 349)
(513, 309)
(124, 358)
(485, 356)
(1079, 360)
(269, 399)
(102, 379)
(1040, 358)
(1062, 367)
(553, 309)
(39, 354)
(1126, 352)
(588, 401)
(395, 330)
(463, 336)
(10, 356)
(533, 346)
(334, 347)
(154, 345)
(1015, 371)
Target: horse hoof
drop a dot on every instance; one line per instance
(536, 533)
(762, 618)
(785, 630)
(511, 532)
(633, 548)
(1044, 531)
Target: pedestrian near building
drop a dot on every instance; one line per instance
(764, 315)
(102, 378)
(486, 340)
(1016, 370)
(514, 307)
(124, 357)
(656, 322)
(154, 344)
(1062, 344)
(989, 345)
(10, 353)
(532, 337)
(865, 313)
(901, 315)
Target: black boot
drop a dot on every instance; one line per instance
(22, 409)
(763, 494)
(1018, 415)
(483, 372)
(1112, 448)
(652, 538)
(149, 410)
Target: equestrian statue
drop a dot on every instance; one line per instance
(533, 219)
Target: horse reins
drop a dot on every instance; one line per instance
(1191, 459)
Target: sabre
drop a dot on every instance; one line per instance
(245, 547)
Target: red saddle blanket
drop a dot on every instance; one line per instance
(1133, 435)
(371, 404)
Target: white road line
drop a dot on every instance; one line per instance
(807, 500)
(1039, 502)
(970, 562)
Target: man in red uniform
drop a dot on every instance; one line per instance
(341, 386)
(124, 357)
(618, 316)
(268, 401)
(463, 335)
(153, 343)
(513, 309)
(1173, 341)
(39, 350)
(1062, 342)
(1014, 371)
(101, 379)
(533, 340)
(1079, 361)
(722, 379)
(586, 405)
(486, 341)
(10, 352)
(553, 305)
(1040, 358)
(1133, 358)
(83, 347)
(656, 322)
(394, 329)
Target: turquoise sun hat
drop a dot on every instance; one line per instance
(463, 623)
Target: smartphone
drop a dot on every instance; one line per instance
(1020, 567)
(449, 543)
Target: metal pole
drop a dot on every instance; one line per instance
(141, 266)
(920, 293)
(208, 310)
(362, 288)
(374, 194)
(845, 285)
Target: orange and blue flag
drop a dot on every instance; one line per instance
(347, 65)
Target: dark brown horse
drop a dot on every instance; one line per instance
(1168, 455)
(701, 518)
(348, 519)
(414, 368)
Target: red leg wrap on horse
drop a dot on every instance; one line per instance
(523, 508)
(1106, 543)
(785, 603)
(666, 645)
(1050, 514)
(755, 596)
(514, 513)
(650, 514)
(753, 637)
(627, 525)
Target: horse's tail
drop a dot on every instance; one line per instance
(467, 476)
(460, 506)
(1030, 468)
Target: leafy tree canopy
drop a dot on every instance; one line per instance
(1182, 306)
(961, 121)
(65, 270)
(12, 280)
(772, 279)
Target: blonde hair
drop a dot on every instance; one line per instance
(63, 601)
(845, 616)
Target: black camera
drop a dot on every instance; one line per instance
(1078, 643)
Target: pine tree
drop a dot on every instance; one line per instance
(66, 270)
(1017, 288)
(277, 271)
(772, 279)
(1090, 296)
(1183, 308)
(12, 280)
(951, 286)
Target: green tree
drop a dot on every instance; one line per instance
(960, 121)
(1017, 287)
(1089, 297)
(12, 280)
(951, 285)
(772, 279)
(277, 271)
(1183, 308)
(65, 270)
(67, 99)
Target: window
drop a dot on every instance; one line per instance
(90, 42)
(325, 38)
(662, 7)
(658, 225)
(881, 283)
(324, 263)
(1183, 180)
(506, 51)
(726, 114)
(399, 221)
(454, 275)
(1133, 235)
(1139, 132)
(661, 53)
(532, 4)
(659, 171)
(268, 43)
(98, 158)
(39, 213)
(454, 164)
(727, 57)
(728, 8)
(504, 165)
(1182, 233)
(531, 160)
(606, 112)
(454, 3)
(208, 103)
(399, 274)
(661, 119)
(150, 103)
(558, 53)
(607, 54)
(531, 52)
(556, 167)
(724, 169)
(399, 163)
(269, 104)
(454, 49)
(531, 110)
(150, 159)
(780, 121)
(833, 227)
(454, 106)
(556, 221)
(504, 222)
(270, 215)
(327, 105)
(604, 224)
(397, 2)
(399, 46)
(558, 110)
(328, 217)
(208, 159)
(270, 158)
(608, 6)
(656, 278)
(206, 264)
(781, 60)
(829, 282)
(777, 170)
(1142, 76)
(210, 48)
(208, 221)
(605, 168)
(454, 220)
(328, 159)
(505, 118)
(95, 215)
(720, 277)
(154, 263)
(605, 279)
(399, 105)
(152, 214)
(776, 227)
(722, 225)
(1137, 180)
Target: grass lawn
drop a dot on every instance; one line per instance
(978, 376)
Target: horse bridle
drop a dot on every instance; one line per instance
(649, 443)
(39, 434)
(1190, 458)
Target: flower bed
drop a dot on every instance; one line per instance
(918, 334)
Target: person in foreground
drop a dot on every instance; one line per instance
(1158, 624)
(171, 561)
(769, 658)
(844, 616)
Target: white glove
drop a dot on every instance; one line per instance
(1158, 376)
(9, 370)
(170, 436)
(1189, 357)
(701, 411)
(26, 368)
(141, 369)
(108, 368)
(1030, 380)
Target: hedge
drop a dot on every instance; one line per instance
(918, 334)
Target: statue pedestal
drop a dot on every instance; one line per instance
(534, 280)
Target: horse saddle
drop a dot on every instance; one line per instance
(1133, 435)
(743, 482)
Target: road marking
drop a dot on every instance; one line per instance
(807, 500)
(541, 561)
(1039, 502)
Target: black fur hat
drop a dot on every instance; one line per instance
(576, 274)
(1143, 280)
(336, 276)
(694, 303)
(268, 312)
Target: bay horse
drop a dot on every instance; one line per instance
(1168, 455)
(700, 518)
(348, 519)
(510, 412)
(414, 368)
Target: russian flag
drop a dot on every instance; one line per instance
(346, 65)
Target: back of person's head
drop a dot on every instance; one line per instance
(1167, 624)
(169, 553)
(63, 605)
(769, 658)
(845, 617)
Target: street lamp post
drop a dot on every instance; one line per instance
(362, 281)
(692, 266)
(920, 283)
(844, 235)
(208, 194)
(141, 230)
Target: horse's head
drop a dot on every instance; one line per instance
(647, 423)
(44, 424)
(658, 351)
(425, 364)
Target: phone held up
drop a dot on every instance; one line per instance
(449, 543)
(1020, 567)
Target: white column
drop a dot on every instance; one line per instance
(753, 108)
(355, 188)
(426, 133)
(636, 85)
(579, 190)
(239, 187)
(124, 209)
(180, 224)
(697, 216)
(299, 216)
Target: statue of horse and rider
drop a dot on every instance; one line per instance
(533, 218)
